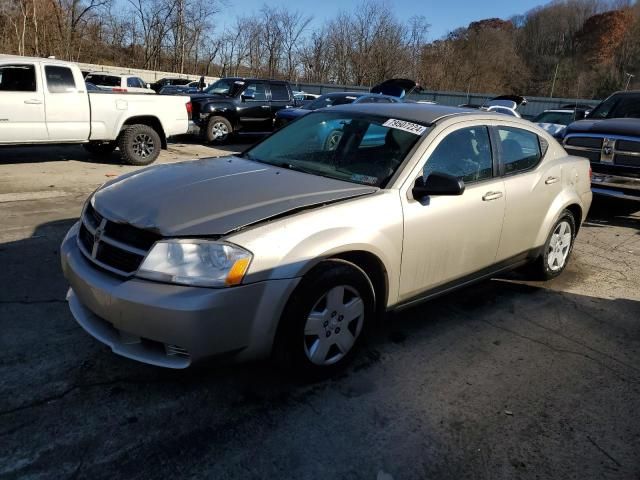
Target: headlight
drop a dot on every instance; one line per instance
(201, 263)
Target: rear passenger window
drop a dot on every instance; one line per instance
(520, 149)
(257, 91)
(465, 153)
(279, 92)
(135, 82)
(59, 79)
(17, 78)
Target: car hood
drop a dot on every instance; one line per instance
(395, 87)
(214, 196)
(613, 126)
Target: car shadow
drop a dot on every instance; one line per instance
(618, 212)
(499, 333)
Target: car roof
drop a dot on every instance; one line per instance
(19, 58)
(416, 112)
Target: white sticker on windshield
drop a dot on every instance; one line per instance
(406, 126)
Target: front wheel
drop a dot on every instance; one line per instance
(557, 249)
(325, 319)
(139, 144)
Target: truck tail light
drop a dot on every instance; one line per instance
(118, 89)
(189, 109)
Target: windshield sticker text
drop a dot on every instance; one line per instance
(405, 126)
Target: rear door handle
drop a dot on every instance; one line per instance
(33, 101)
(551, 180)
(487, 197)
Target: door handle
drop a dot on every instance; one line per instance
(551, 180)
(487, 197)
(265, 106)
(33, 101)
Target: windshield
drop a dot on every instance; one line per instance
(363, 149)
(621, 105)
(221, 87)
(559, 118)
(330, 101)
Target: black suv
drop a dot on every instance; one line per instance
(610, 138)
(239, 105)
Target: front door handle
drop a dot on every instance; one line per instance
(551, 180)
(265, 106)
(487, 197)
(33, 101)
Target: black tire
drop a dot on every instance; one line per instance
(139, 144)
(541, 268)
(215, 131)
(99, 149)
(294, 346)
(332, 140)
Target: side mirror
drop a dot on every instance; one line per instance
(248, 96)
(437, 184)
(148, 85)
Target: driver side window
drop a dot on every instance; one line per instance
(465, 153)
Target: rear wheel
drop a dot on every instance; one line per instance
(325, 319)
(557, 249)
(139, 144)
(218, 130)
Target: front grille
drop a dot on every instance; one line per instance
(116, 247)
(627, 160)
(592, 156)
(587, 142)
(628, 146)
(118, 258)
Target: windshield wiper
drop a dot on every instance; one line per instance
(291, 166)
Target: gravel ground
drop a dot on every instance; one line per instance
(505, 379)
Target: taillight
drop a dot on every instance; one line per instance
(189, 109)
(590, 173)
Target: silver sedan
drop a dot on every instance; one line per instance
(294, 247)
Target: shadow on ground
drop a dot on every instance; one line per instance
(500, 380)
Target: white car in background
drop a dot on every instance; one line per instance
(118, 83)
(555, 121)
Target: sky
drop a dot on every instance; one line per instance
(443, 15)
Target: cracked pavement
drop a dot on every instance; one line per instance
(505, 379)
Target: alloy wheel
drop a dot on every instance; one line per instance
(559, 246)
(143, 145)
(333, 325)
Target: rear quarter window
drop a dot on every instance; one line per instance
(59, 79)
(520, 149)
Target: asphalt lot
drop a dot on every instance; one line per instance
(505, 379)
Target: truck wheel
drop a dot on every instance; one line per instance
(324, 320)
(100, 149)
(139, 144)
(218, 131)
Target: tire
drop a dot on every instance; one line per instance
(139, 145)
(557, 249)
(332, 140)
(99, 149)
(218, 130)
(325, 320)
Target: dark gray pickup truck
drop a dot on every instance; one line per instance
(610, 138)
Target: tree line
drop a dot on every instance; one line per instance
(566, 48)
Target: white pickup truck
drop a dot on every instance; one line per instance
(45, 101)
